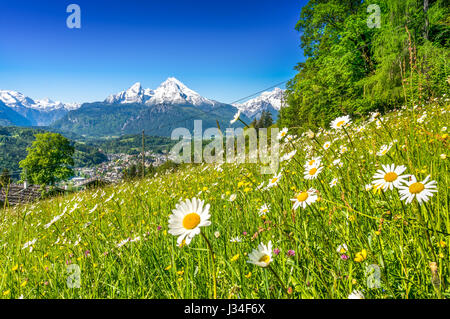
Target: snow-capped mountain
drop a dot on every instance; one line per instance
(37, 112)
(171, 92)
(268, 101)
(16, 100)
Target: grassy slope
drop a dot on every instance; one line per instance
(152, 266)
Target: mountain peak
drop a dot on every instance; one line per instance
(171, 91)
(18, 100)
(267, 101)
(136, 87)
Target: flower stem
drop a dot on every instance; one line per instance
(213, 265)
(278, 278)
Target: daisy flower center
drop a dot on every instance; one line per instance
(190, 221)
(312, 171)
(283, 133)
(390, 177)
(265, 259)
(274, 180)
(311, 162)
(416, 188)
(340, 123)
(302, 196)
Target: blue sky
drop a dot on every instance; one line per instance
(224, 50)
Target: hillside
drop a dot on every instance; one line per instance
(104, 119)
(329, 218)
(88, 152)
(15, 140)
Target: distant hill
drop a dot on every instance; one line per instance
(15, 140)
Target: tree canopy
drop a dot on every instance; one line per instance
(354, 65)
(49, 159)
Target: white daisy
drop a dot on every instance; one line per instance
(264, 209)
(313, 161)
(288, 156)
(262, 256)
(384, 149)
(340, 122)
(420, 190)
(342, 249)
(187, 218)
(313, 171)
(274, 180)
(338, 162)
(356, 294)
(282, 133)
(326, 145)
(333, 182)
(236, 117)
(389, 177)
(236, 239)
(304, 198)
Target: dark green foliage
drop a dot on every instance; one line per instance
(353, 69)
(49, 159)
(264, 121)
(15, 140)
(132, 144)
(5, 178)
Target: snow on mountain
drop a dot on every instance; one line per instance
(171, 91)
(268, 101)
(15, 99)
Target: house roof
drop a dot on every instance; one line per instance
(17, 194)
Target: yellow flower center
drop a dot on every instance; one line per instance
(390, 177)
(265, 259)
(302, 196)
(312, 171)
(190, 221)
(274, 180)
(340, 123)
(283, 133)
(311, 162)
(416, 188)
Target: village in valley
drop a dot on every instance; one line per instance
(109, 172)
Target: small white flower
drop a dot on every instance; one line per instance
(236, 239)
(333, 182)
(342, 249)
(274, 180)
(187, 218)
(236, 117)
(384, 149)
(340, 122)
(389, 177)
(313, 171)
(304, 198)
(422, 191)
(264, 209)
(356, 294)
(262, 256)
(282, 133)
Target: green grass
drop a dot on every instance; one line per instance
(393, 233)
